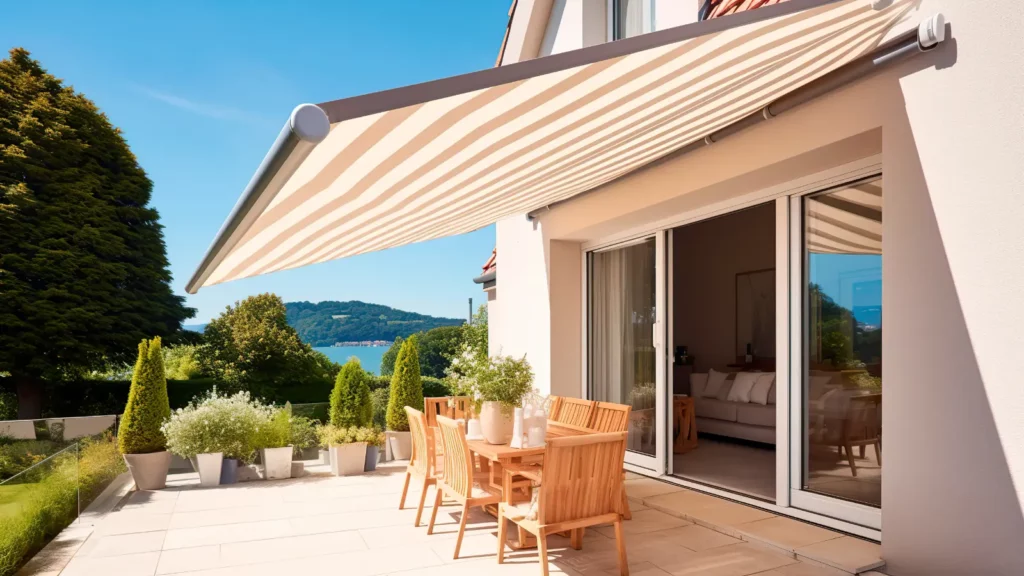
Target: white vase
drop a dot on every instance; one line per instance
(209, 466)
(495, 425)
(348, 459)
(277, 463)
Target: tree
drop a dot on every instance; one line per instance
(148, 406)
(350, 398)
(250, 346)
(387, 361)
(437, 347)
(83, 267)
(406, 386)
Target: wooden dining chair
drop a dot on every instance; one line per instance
(461, 407)
(612, 417)
(459, 480)
(423, 463)
(579, 485)
(573, 411)
(434, 407)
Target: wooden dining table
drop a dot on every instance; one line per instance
(493, 458)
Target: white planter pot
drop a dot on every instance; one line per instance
(348, 459)
(209, 468)
(495, 426)
(149, 470)
(277, 463)
(401, 445)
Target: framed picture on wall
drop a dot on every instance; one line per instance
(755, 313)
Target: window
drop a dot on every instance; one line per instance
(628, 17)
(842, 372)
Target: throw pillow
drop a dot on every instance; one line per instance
(726, 387)
(715, 381)
(742, 386)
(762, 388)
(771, 395)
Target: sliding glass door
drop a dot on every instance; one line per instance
(839, 395)
(625, 361)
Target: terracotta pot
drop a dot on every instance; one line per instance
(401, 445)
(149, 470)
(495, 426)
(348, 459)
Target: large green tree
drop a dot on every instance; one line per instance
(250, 346)
(83, 267)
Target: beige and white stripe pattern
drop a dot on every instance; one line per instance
(460, 162)
(847, 221)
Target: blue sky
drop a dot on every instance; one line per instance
(201, 90)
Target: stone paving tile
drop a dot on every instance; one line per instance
(846, 553)
(647, 487)
(785, 533)
(188, 559)
(726, 516)
(734, 560)
(645, 521)
(116, 545)
(128, 565)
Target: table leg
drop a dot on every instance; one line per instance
(525, 540)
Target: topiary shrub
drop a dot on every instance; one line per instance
(350, 398)
(148, 406)
(435, 387)
(379, 399)
(406, 386)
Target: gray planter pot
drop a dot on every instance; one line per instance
(372, 455)
(149, 470)
(229, 471)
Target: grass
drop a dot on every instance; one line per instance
(45, 499)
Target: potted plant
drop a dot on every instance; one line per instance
(350, 397)
(406, 390)
(374, 438)
(501, 383)
(303, 438)
(275, 434)
(348, 452)
(139, 437)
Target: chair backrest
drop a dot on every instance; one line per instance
(610, 417)
(460, 407)
(582, 477)
(575, 411)
(865, 417)
(434, 407)
(422, 459)
(458, 466)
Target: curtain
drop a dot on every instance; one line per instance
(629, 18)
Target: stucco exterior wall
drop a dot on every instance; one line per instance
(950, 131)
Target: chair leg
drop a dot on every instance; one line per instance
(627, 514)
(423, 498)
(433, 513)
(462, 529)
(620, 543)
(849, 458)
(405, 490)
(576, 539)
(542, 551)
(502, 535)
(862, 449)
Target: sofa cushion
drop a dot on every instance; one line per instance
(762, 388)
(741, 387)
(698, 380)
(755, 414)
(714, 385)
(718, 409)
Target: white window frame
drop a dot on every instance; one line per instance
(648, 18)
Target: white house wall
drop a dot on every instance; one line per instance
(950, 131)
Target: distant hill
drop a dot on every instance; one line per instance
(324, 323)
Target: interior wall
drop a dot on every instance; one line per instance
(707, 257)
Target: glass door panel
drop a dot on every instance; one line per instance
(841, 395)
(623, 356)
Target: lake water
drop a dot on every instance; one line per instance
(369, 356)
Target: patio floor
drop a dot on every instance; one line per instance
(352, 526)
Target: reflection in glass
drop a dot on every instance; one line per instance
(622, 315)
(843, 338)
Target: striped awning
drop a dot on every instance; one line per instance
(846, 221)
(454, 155)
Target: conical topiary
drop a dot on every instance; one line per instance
(350, 398)
(148, 406)
(406, 386)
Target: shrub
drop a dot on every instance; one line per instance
(435, 387)
(379, 398)
(331, 435)
(148, 406)
(217, 423)
(406, 386)
(350, 399)
(185, 362)
(275, 431)
(303, 433)
(373, 436)
(19, 455)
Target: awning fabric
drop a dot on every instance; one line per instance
(847, 221)
(454, 155)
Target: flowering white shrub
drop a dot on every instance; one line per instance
(218, 423)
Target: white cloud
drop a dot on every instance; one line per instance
(202, 108)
